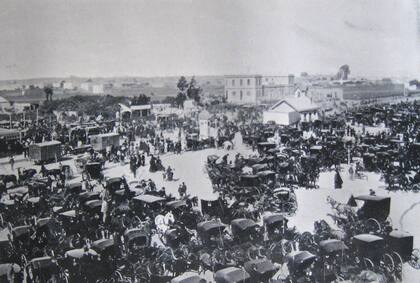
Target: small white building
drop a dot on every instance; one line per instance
(204, 124)
(87, 86)
(291, 110)
(98, 89)
(67, 85)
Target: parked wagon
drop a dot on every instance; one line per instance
(244, 230)
(94, 170)
(232, 275)
(375, 207)
(260, 270)
(45, 152)
(300, 265)
(103, 141)
(211, 232)
(42, 269)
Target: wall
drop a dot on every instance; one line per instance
(248, 86)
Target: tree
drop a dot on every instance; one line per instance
(48, 93)
(182, 86)
(194, 91)
(142, 99)
(180, 98)
(343, 72)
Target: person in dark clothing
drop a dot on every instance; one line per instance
(338, 181)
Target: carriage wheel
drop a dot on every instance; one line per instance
(398, 265)
(415, 259)
(388, 262)
(373, 225)
(368, 263)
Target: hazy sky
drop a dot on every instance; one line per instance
(207, 37)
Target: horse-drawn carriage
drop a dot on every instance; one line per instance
(232, 275)
(211, 232)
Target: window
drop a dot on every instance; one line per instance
(234, 93)
(241, 94)
(249, 82)
(233, 82)
(240, 82)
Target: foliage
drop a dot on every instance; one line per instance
(343, 72)
(107, 105)
(142, 99)
(194, 91)
(48, 93)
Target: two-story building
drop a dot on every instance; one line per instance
(243, 89)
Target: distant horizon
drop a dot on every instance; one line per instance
(351, 76)
(163, 38)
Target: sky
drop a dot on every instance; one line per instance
(101, 38)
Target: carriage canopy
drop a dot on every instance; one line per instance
(232, 275)
(332, 245)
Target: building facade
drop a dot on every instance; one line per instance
(243, 89)
(255, 89)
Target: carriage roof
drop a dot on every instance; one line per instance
(102, 244)
(41, 262)
(176, 204)
(93, 203)
(372, 198)
(43, 221)
(367, 238)
(6, 268)
(260, 266)
(148, 198)
(300, 258)
(78, 253)
(231, 275)
(34, 199)
(69, 213)
(274, 219)
(243, 224)
(134, 233)
(332, 245)
(21, 230)
(114, 180)
(188, 277)
(72, 186)
(208, 226)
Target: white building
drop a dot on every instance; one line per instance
(98, 89)
(87, 86)
(291, 110)
(67, 85)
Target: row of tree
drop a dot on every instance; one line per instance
(187, 90)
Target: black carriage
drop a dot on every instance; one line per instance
(105, 247)
(74, 188)
(148, 205)
(43, 269)
(265, 146)
(370, 250)
(259, 167)
(87, 196)
(260, 270)
(135, 239)
(369, 162)
(275, 224)
(400, 245)
(176, 236)
(332, 252)
(216, 208)
(300, 265)
(94, 170)
(114, 184)
(178, 206)
(93, 207)
(284, 200)
(374, 207)
(244, 230)
(211, 232)
(267, 177)
(232, 275)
